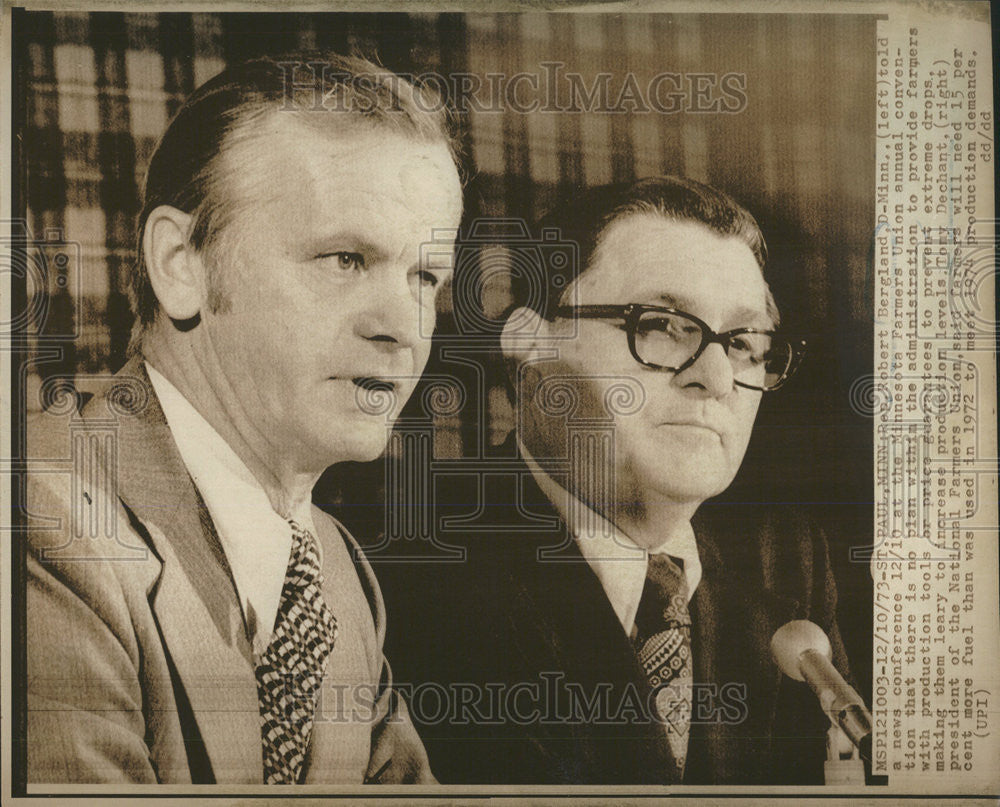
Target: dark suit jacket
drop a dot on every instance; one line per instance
(508, 630)
(139, 665)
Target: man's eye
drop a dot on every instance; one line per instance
(667, 326)
(428, 279)
(345, 261)
(649, 325)
(748, 348)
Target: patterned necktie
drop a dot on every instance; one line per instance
(662, 639)
(290, 671)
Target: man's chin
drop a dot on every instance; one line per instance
(694, 487)
(361, 450)
(353, 443)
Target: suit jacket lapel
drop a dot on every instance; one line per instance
(194, 600)
(588, 642)
(733, 616)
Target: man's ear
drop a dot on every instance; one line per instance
(523, 341)
(176, 271)
(522, 335)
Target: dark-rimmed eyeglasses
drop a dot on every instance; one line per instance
(672, 340)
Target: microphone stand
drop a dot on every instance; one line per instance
(843, 765)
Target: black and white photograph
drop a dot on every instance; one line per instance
(464, 402)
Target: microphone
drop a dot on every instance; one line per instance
(802, 650)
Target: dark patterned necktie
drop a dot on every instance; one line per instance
(662, 640)
(290, 671)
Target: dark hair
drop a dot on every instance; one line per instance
(184, 171)
(583, 216)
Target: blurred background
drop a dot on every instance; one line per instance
(93, 92)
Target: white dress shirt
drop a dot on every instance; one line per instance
(256, 540)
(618, 562)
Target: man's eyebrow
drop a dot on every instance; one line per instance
(753, 318)
(672, 301)
(748, 317)
(346, 240)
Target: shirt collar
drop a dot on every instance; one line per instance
(620, 565)
(256, 540)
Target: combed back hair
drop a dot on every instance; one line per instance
(583, 217)
(187, 170)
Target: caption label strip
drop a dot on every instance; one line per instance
(936, 699)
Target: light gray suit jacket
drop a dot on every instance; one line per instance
(139, 665)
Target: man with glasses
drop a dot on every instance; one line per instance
(604, 627)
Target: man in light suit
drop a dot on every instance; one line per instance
(191, 617)
(609, 625)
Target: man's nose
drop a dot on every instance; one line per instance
(394, 317)
(711, 373)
